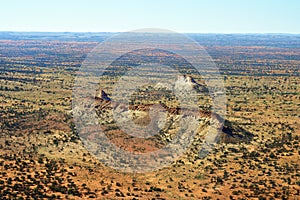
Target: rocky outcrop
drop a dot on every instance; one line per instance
(102, 96)
(186, 82)
(229, 133)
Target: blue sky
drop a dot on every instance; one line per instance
(204, 16)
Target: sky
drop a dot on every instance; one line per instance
(185, 16)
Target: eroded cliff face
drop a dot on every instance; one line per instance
(160, 122)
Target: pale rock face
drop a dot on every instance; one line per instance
(184, 83)
(190, 80)
(163, 86)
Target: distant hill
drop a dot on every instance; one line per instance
(208, 39)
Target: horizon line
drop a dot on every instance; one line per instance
(241, 33)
